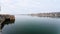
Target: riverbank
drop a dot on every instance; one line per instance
(53, 14)
(4, 18)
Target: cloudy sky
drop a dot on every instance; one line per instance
(29, 6)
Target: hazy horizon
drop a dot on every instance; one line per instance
(29, 6)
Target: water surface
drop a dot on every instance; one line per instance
(32, 25)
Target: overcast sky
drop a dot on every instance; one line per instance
(29, 6)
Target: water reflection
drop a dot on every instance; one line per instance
(7, 21)
(31, 25)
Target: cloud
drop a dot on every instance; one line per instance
(29, 6)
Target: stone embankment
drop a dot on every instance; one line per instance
(5, 17)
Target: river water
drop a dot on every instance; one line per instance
(32, 25)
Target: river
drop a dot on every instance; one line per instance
(32, 25)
